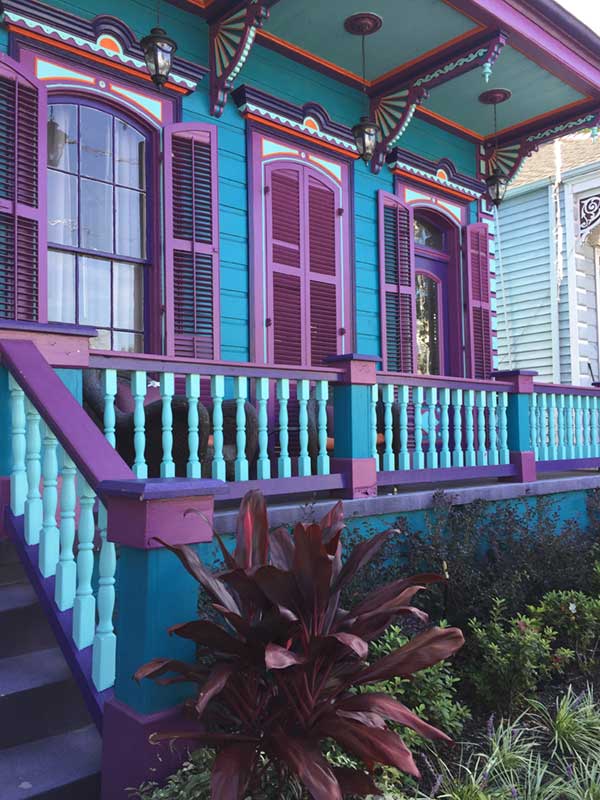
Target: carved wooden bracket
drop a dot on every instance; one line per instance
(394, 109)
(231, 39)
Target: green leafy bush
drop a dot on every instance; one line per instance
(508, 658)
(572, 728)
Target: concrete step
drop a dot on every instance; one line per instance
(64, 767)
(23, 624)
(39, 696)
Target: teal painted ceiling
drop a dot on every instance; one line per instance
(535, 92)
(410, 29)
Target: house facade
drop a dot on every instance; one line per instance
(204, 289)
(548, 284)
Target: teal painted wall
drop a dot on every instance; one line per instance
(296, 83)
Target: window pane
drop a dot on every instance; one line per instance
(130, 162)
(101, 342)
(61, 287)
(62, 137)
(427, 235)
(428, 355)
(96, 216)
(130, 342)
(94, 291)
(131, 223)
(62, 208)
(95, 133)
(128, 296)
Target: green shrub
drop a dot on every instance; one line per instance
(572, 728)
(583, 780)
(575, 617)
(509, 658)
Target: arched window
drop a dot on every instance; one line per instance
(98, 243)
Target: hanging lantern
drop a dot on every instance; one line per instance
(158, 52)
(366, 133)
(496, 180)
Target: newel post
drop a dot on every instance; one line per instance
(154, 592)
(353, 432)
(521, 447)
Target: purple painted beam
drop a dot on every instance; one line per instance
(560, 388)
(414, 476)
(568, 464)
(443, 382)
(279, 487)
(71, 425)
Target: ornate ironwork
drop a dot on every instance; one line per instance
(231, 39)
(589, 213)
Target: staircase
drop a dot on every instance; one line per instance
(49, 747)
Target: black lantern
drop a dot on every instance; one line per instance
(158, 52)
(497, 183)
(366, 133)
(496, 180)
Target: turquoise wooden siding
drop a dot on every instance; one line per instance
(298, 84)
(523, 283)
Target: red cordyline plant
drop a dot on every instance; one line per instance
(285, 669)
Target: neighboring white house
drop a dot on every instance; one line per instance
(548, 275)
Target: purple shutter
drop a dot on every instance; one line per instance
(191, 240)
(478, 269)
(323, 261)
(285, 255)
(398, 284)
(23, 223)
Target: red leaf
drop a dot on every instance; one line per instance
(360, 556)
(252, 544)
(281, 546)
(210, 583)
(280, 587)
(388, 707)
(354, 782)
(227, 557)
(160, 666)
(371, 745)
(333, 523)
(231, 771)
(312, 568)
(372, 625)
(422, 651)
(208, 634)
(355, 643)
(277, 657)
(216, 682)
(307, 762)
(379, 597)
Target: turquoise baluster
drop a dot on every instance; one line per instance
(263, 467)
(66, 570)
(469, 402)
(217, 390)
(33, 504)
(552, 428)
(284, 465)
(374, 399)
(432, 456)
(419, 457)
(110, 390)
(503, 427)
(139, 387)
(533, 425)
(167, 390)
(303, 393)
(49, 551)
(445, 455)
(18, 473)
(458, 457)
(543, 409)
(595, 443)
(192, 393)
(587, 426)
(571, 450)
(482, 453)
(323, 465)
(403, 399)
(561, 450)
(105, 642)
(579, 449)
(84, 607)
(493, 454)
(389, 461)
(240, 390)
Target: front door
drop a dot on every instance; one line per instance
(432, 315)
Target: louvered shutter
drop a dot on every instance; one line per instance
(23, 113)
(323, 260)
(478, 269)
(398, 285)
(191, 241)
